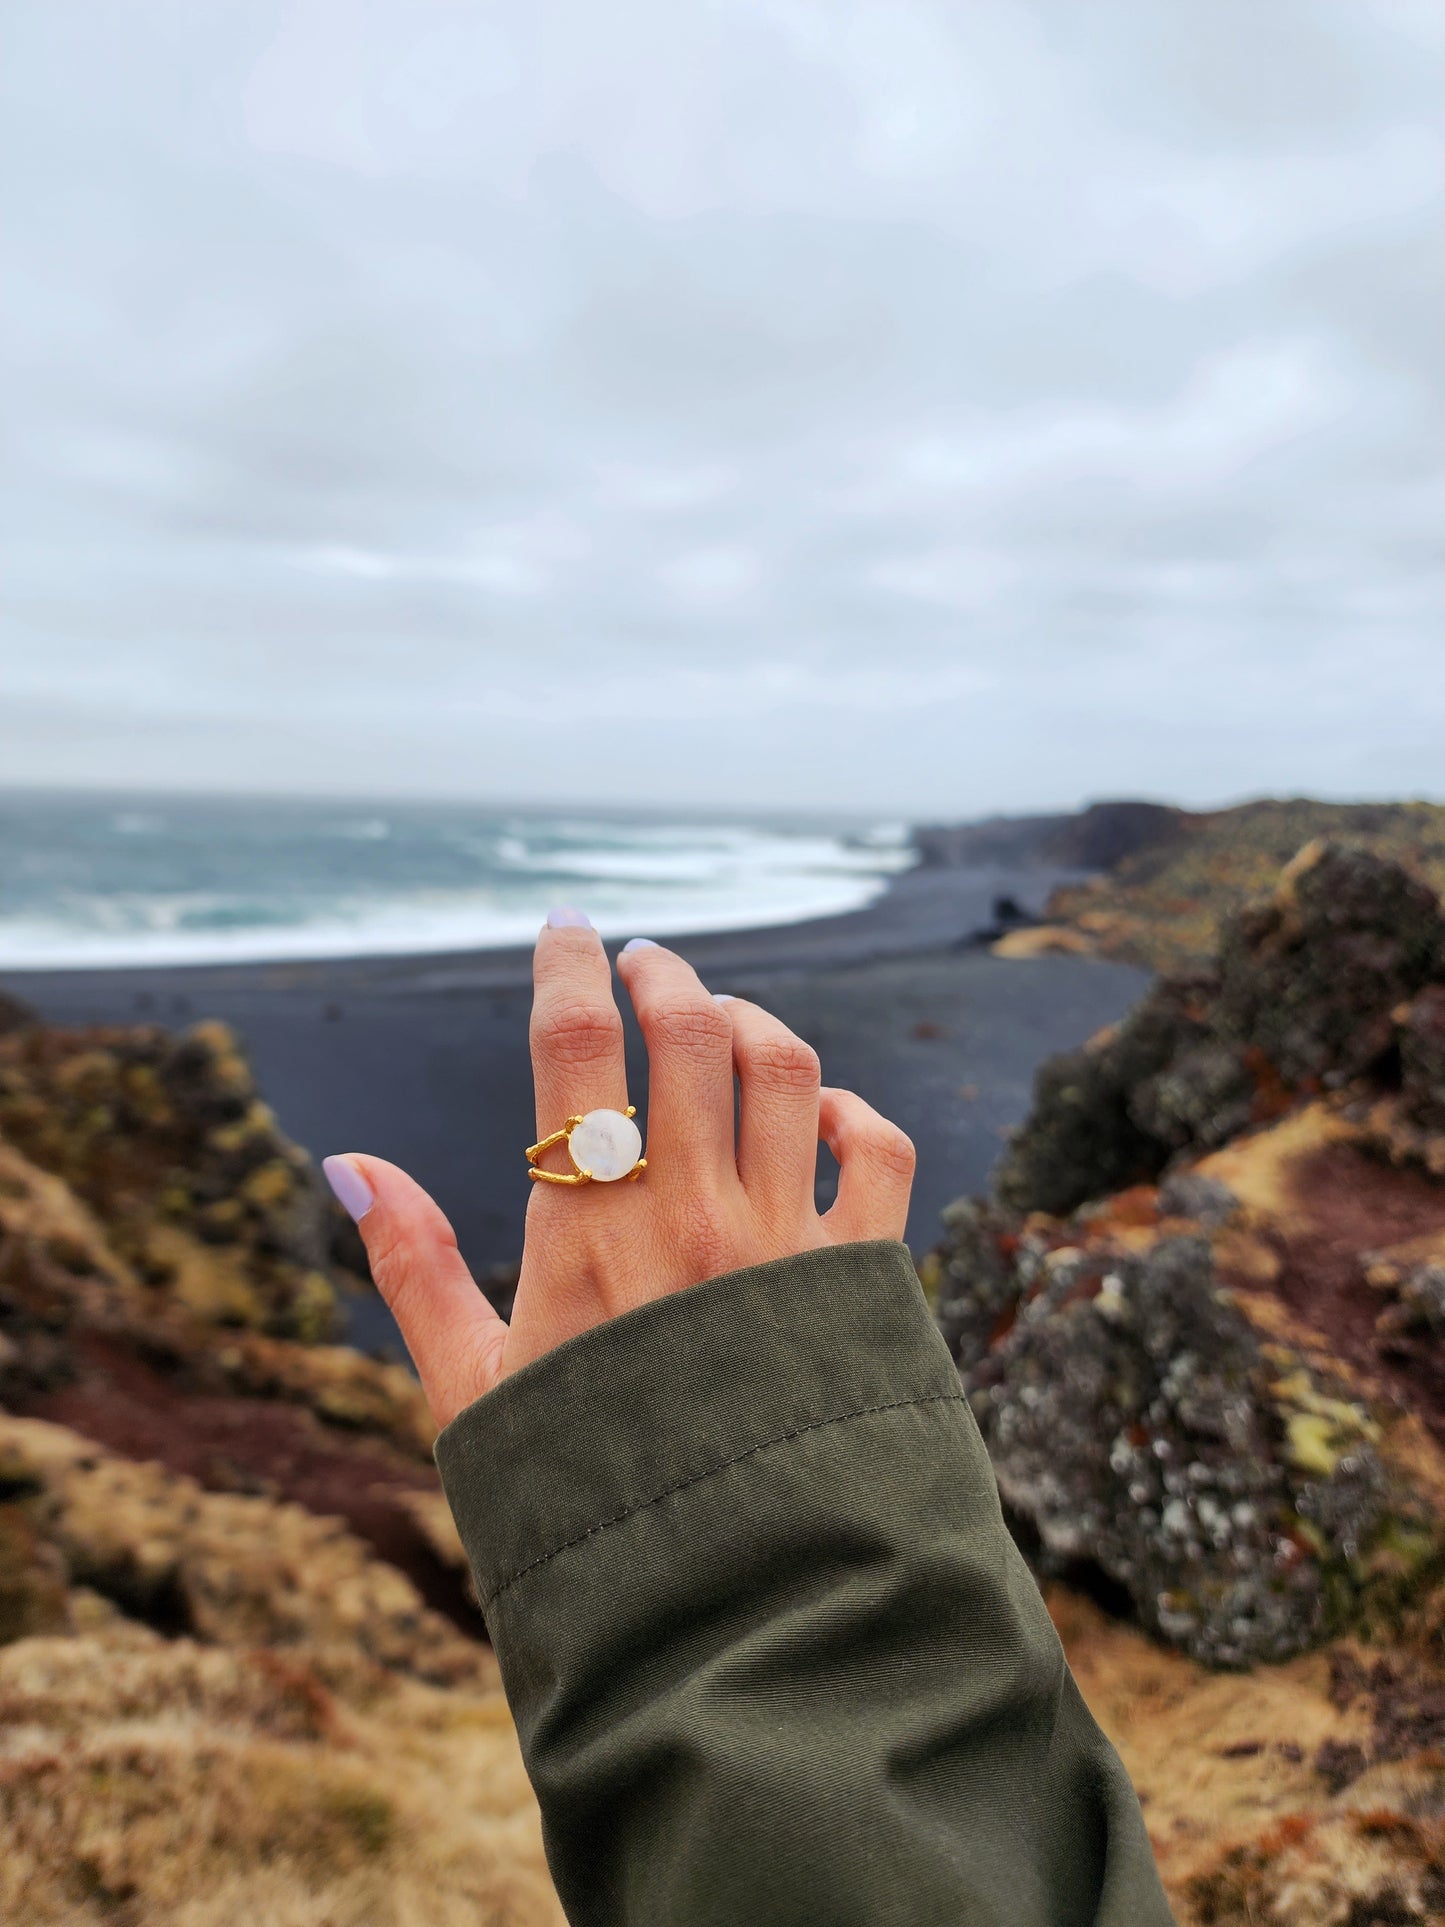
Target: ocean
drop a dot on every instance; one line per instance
(92, 881)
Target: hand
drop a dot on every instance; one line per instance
(706, 1203)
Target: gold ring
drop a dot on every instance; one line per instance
(604, 1146)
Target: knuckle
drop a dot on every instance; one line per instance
(577, 1033)
(892, 1151)
(699, 1029)
(786, 1063)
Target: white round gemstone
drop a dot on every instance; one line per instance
(607, 1144)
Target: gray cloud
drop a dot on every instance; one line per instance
(886, 403)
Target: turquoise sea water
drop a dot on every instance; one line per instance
(101, 880)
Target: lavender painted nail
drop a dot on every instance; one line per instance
(353, 1193)
(639, 943)
(566, 918)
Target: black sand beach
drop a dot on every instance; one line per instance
(424, 1059)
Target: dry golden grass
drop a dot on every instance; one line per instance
(145, 1780)
(1247, 1830)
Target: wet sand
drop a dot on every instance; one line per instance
(423, 1060)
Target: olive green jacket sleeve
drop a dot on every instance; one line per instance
(773, 1657)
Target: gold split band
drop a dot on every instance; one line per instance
(577, 1175)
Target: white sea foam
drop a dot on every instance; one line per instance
(361, 884)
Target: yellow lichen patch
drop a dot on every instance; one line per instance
(270, 1183)
(1319, 1429)
(213, 1281)
(43, 1207)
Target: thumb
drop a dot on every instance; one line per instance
(454, 1336)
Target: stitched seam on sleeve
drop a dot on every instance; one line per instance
(696, 1478)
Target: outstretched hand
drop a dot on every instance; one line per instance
(711, 1199)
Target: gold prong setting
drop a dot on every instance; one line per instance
(609, 1141)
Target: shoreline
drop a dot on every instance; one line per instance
(424, 1059)
(920, 909)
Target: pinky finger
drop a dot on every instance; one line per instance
(875, 1168)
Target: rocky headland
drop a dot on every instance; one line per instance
(1163, 881)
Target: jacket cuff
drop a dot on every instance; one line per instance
(649, 1402)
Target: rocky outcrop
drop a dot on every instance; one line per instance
(1247, 1495)
(1199, 1325)
(1338, 974)
(166, 1140)
(223, 1568)
(133, 1364)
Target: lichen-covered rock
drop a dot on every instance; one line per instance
(225, 1568)
(1309, 992)
(1139, 1425)
(1312, 975)
(1201, 1327)
(166, 1139)
(1088, 1131)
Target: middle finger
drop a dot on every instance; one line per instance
(577, 1061)
(690, 1058)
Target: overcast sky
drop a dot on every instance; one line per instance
(926, 408)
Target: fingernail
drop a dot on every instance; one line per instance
(638, 943)
(353, 1193)
(567, 918)
(723, 997)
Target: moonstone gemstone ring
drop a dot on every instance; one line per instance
(603, 1146)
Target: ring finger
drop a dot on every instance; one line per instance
(690, 1060)
(778, 1110)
